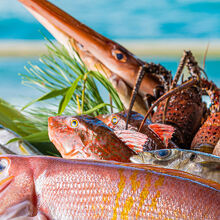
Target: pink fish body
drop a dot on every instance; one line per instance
(55, 188)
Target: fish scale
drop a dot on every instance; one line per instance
(74, 189)
(80, 189)
(90, 139)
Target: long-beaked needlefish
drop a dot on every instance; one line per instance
(19, 147)
(198, 163)
(96, 51)
(60, 189)
(86, 137)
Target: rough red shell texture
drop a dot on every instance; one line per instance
(184, 112)
(208, 135)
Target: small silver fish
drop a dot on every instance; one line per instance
(18, 147)
(198, 163)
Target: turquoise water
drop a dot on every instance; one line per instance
(142, 19)
(13, 91)
(148, 19)
(11, 88)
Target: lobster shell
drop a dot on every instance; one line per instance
(184, 112)
(208, 135)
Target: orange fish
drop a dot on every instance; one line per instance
(85, 137)
(59, 189)
(155, 136)
(117, 121)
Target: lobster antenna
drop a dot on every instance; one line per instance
(141, 73)
(205, 55)
(166, 95)
(176, 79)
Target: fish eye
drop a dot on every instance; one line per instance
(74, 123)
(162, 154)
(192, 157)
(114, 120)
(119, 55)
(3, 165)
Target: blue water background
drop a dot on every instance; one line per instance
(13, 91)
(142, 19)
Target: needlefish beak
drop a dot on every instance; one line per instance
(96, 51)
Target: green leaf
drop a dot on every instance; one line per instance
(11, 118)
(41, 136)
(61, 104)
(96, 108)
(13, 140)
(48, 95)
(69, 95)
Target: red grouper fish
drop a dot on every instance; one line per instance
(85, 137)
(152, 137)
(60, 189)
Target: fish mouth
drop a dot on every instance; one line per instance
(72, 154)
(50, 128)
(54, 140)
(96, 51)
(53, 124)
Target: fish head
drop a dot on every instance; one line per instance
(117, 121)
(164, 157)
(72, 134)
(64, 132)
(181, 159)
(96, 51)
(200, 162)
(17, 191)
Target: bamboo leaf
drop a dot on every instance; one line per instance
(41, 136)
(68, 95)
(48, 95)
(96, 108)
(13, 140)
(61, 104)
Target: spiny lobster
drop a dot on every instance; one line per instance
(185, 109)
(208, 135)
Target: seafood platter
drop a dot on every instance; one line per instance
(158, 159)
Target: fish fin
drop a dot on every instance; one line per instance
(212, 165)
(39, 216)
(165, 132)
(174, 173)
(22, 211)
(135, 140)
